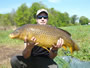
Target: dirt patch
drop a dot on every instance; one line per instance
(7, 52)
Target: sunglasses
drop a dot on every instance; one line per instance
(40, 17)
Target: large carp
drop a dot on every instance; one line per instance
(45, 35)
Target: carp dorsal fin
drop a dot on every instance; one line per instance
(60, 29)
(65, 31)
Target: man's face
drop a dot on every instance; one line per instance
(42, 19)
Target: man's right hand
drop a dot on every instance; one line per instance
(30, 44)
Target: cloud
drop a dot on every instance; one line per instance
(54, 1)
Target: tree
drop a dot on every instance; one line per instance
(65, 19)
(54, 17)
(22, 15)
(12, 16)
(73, 19)
(4, 19)
(83, 20)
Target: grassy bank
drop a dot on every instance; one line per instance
(81, 35)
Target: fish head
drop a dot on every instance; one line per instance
(15, 34)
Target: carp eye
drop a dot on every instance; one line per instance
(16, 32)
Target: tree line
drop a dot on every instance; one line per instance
(27, 15)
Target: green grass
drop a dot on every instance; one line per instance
(81, 35)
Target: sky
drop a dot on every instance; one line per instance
(72, 7)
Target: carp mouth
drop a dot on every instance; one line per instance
(12, 36)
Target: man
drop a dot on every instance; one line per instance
(34, 56)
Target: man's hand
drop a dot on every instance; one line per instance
(54, 49)
(59, 44)
(30, 44)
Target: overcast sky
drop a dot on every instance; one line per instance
(78, 7)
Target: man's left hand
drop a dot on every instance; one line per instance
(59, 44)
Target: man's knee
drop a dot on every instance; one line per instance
(14, 60)
(53, 66)
(17, 62)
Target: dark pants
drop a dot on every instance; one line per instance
(32, 62)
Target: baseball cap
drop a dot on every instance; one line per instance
(40, 11)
